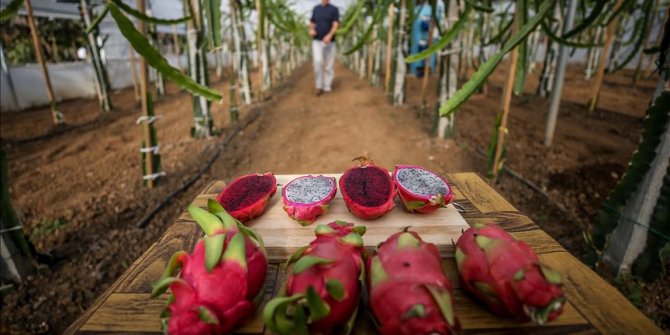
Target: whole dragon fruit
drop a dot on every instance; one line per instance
(421, 190)
(307, 197)
(367, 190)
(221, 283)
(507, 276)
(248, 196)
(322, 292)
(409, 292)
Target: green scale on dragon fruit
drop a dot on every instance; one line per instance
(307, 197)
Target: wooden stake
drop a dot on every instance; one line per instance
(600, 72)
(650, 70)
(426, 65)
(506, 101)
(259, 51)
(133, 73)
(57, 116)
(389, 51)
(176, 46)
(144, 92)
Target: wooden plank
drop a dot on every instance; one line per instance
(283, 236)
(485, 198)
(601, 303)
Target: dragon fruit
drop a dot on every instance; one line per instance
(307, 197)
(322, 292)
(248, 196)
(221, 282)
(507, 276)
(420, 190)
(367, 190)
(409, 292)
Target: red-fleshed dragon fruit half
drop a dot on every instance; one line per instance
(420, 190)
(307, 197)
(321, 294)
(507, 276)
(221, 283)
(248, 196)
(409, 292)
(367, 190)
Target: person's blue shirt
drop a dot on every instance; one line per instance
(324, 17)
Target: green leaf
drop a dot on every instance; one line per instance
(407, 240)
(447, 38)
(207, 316)
(296, 255)
(134, 12)
(97, 20)
(353, 239)
(377, 16)
(274, 314)
(213, 13)
(318, 308)
(487, 68)
(323, 229)
(479, 7)
(155, 59)
(551, 275)
(350, 19)
(236, 250)
(10, 10)
(335, 289)
(522, 49)
(162, 285)
(307, 261)
(209, 222)
(443, 299)
(560, 40)
(595, 12)
(412, 205)
(213, 250)
(417, 311)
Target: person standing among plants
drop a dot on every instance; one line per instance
(322, 27)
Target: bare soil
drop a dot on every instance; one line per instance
(88, 173)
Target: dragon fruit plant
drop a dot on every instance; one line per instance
(409, 292)
(322, 292)
(221, 281)
(420, 190)
(507, 276)
(367, 190)
(307, 197)
(248, 196)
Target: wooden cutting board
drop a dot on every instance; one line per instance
(282, 235)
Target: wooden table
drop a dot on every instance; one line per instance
(594, 305)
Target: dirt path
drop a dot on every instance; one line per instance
(304, 133)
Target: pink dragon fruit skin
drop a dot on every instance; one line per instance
(421, 203)
(220, 281)
(409, 292)
(507, 275)
(247, 196)
(325, 281)
(306, 213)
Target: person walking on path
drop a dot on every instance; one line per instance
(322, 27)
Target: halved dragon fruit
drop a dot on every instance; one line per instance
(421, 190)
(248, 196)
(367, 190)
(307, 197)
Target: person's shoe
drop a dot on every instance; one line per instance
(327, 91)
(319, 92)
